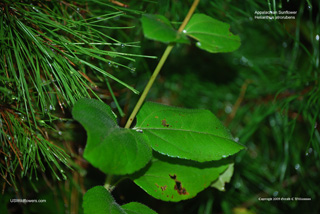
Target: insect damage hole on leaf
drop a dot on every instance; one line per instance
(178, 186)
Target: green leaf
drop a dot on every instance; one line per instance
(224, 178)
(185, 133)
(157, 27)
(137, 208)
(172, 179)
(212, 35)
(99, 201)
(124, 151)
(112, 149)
(96, 117)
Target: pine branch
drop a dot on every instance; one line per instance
(49, 55)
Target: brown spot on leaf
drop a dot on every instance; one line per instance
(157, 185)
(164, 123)
(156, 117)
(163, 188)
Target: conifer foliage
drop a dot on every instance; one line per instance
(47, 54)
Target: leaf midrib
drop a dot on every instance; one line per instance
(185, 130)
(235, 38)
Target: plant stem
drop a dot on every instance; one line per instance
(108, 184)
(159, 66)
(148, 86)
(188, 16)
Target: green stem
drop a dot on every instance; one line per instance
(148, 86)
(159, 66)
(188, 16)
(108, 184)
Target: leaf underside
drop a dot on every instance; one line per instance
(224, 178)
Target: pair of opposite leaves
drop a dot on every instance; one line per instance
(190, 147)
(211, 35)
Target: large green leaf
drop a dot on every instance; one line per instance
(185, 133)
(158, 28)
(99, 201)
(172, 179)
(112, 149)
(212, 35)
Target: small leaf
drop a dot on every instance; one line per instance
(212, 35)
(224, 178)
(172, 179)
(137, 208)
(157, 27)
(99, 201)
(185, 133)
(112, 149)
